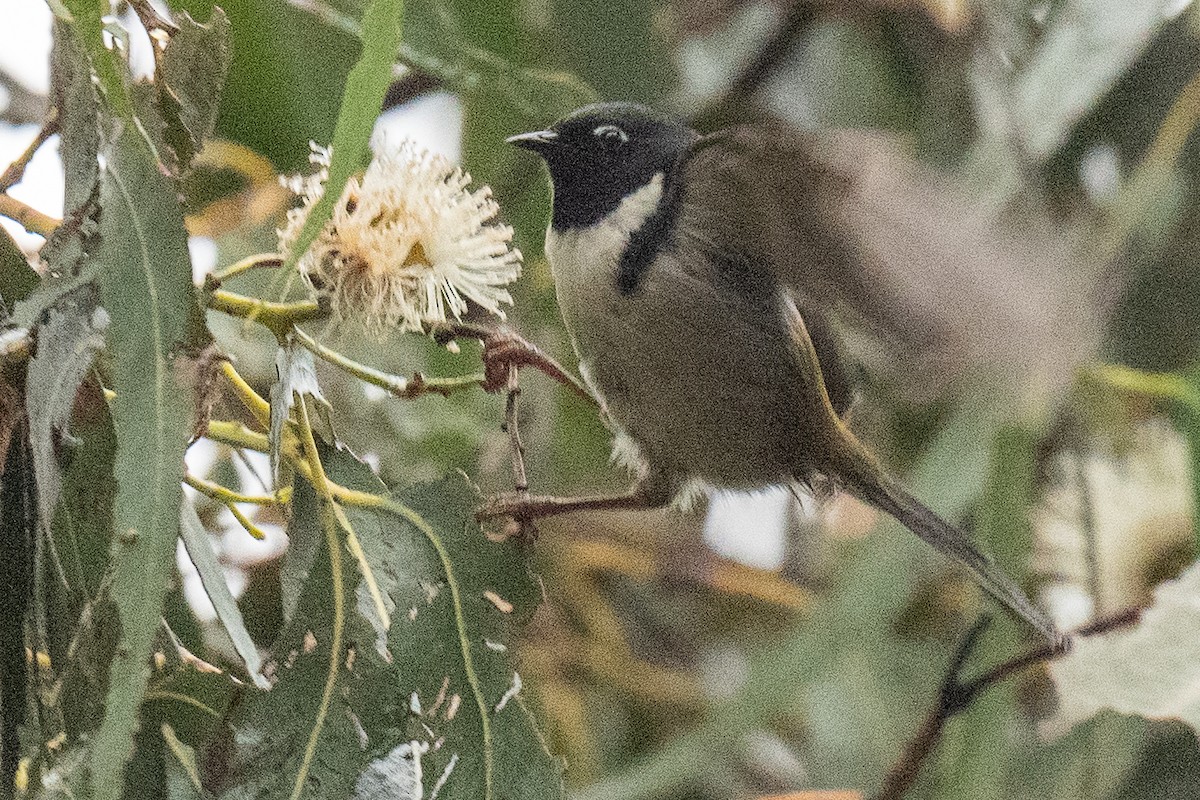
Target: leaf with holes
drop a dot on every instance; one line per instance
(360, 712)
(191, 77)
(67, 344)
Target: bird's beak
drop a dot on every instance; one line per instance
(537, 141)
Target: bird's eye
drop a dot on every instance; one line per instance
(611, 135)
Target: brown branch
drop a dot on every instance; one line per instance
(27, 216)
(525, 529)
(956, 696)
(520, 480)
(764, 63)
(16, 170)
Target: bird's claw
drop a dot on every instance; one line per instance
(517, 508)
(502, 351)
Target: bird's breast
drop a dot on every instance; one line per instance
(696, 375)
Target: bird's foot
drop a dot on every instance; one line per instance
(504, 350)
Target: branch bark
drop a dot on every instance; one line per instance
(956, 695)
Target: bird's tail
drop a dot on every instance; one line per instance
(868, 481)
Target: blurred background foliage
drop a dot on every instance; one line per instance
(669, 660)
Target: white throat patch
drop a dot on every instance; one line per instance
(593, 252)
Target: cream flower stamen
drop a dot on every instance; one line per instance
(409, 243)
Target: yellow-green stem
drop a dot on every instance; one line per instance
(27, 216)
(251, 399)
(226, 495)
(397, 385)
(276, 317)
(256, 261)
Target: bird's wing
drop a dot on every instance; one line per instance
(753, 235)
(937, 281)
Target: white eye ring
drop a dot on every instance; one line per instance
(611, 134)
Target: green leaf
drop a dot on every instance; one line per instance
(434, 699)
(67, 344)
(147, 290)
(81, 629)
(183, 775)
(78, 126)
(192, 73)
(212, 576)
(77, 103)
(361, 102)
(17, 277)
(86, 19)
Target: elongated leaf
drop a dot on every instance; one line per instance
(434, 700)
(212, 576)
(67, 344)
(147, 290)
(77, 102)
(361, 102)
(1086, 47)
(193, 72)
(89, 26)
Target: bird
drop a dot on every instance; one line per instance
(690, 271)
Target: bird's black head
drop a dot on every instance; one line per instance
(601, 153)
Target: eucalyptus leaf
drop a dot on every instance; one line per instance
(77, 104)
(361, 102)
(86, 17)
(17, 278)
(192, 74)
(67, 344)
(212, 576)
(436, 700)
(147, 290)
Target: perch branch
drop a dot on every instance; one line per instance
(956, 696)
(401, 387)
(27, 216)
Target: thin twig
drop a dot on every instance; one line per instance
(257, 261)
(520, 481)
(950, 700)
(404, 388)
(152, 20)
(956, 696)
(16, 170)
(525, 529)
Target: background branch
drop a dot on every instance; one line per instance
(956, 696)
